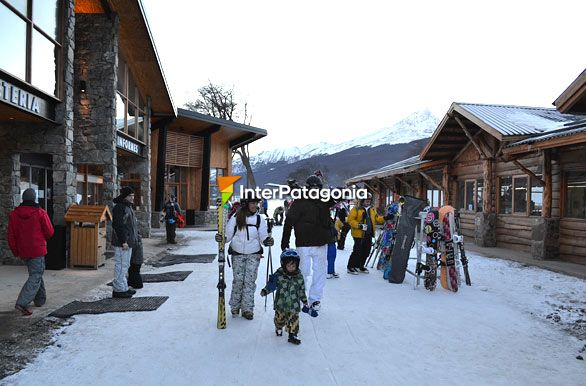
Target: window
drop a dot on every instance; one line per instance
(506, 195)
(34, 45)
(479, 194)
(575, 200)
(536, 203)
(214, 189)
(469, 203)
(520, 195)
(130, 106)
(434, 197)
(176, 184)
(90, 185)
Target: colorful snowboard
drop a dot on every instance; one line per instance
(433, 237)
(404, 238)
(449, 274)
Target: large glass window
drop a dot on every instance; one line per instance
(575, 202)
(434, 197)
(90, 185)
(41, 180)
(520, 195)
(479, 194)
(469, 205)
(506, 195)
(536, 203)
(176, 184)
(31, 46)
(130, 106)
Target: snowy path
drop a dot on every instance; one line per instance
(369, 332)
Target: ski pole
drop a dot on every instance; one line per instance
(270, 260)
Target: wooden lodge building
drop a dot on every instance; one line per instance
(84, 105)
(516, 174)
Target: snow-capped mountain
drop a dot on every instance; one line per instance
(416, 126)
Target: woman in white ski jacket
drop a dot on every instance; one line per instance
(246, 232)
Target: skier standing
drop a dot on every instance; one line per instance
(247, 232)
(362, 219)
(170, 211)
(290, 287)
(278, 215)
(310, 218)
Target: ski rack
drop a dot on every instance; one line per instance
(421, 246)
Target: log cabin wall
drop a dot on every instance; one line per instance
(572, 230)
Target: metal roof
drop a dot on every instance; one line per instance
(519, 120)
(220, 122)
(389, 170)
(571, 129)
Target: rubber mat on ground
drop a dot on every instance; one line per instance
(145, 303)
(183, 259)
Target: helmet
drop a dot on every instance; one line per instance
(313, 181)
(289, 255)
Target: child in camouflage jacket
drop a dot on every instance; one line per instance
(290, 291)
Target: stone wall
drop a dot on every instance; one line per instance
(96, 63)
(485, 229)
(545, 239)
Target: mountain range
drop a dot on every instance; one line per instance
(341, 161)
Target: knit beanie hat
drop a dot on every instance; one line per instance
(126, 191)
(29, 195)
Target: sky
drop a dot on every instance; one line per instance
(330, 71)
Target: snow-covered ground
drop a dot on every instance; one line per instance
(369, 332)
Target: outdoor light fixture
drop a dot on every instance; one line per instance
(82, 86)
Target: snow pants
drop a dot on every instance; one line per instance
(245, 271)
(287, 319)
(34, 288)
(121, 265)
(360, 252)
(332, 257)
(314, 258)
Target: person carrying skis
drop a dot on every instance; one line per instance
(246, 232)
(310, 218)
(290, 287)
(362, 219)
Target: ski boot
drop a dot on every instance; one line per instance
(316, 305)
(293, 339)
(247, 315)
(235, 312)
(279, 331)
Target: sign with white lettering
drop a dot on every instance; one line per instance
(128, 144)
(25, 100)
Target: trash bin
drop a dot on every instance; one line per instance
(88, 235)
(56, 249)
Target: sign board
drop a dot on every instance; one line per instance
(25, 100)
(129, 144)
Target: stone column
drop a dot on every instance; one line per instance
(545, 239)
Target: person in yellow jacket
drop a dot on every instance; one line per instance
(362, 219)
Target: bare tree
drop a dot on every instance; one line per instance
(219, 102)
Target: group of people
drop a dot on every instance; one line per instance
(300, 280)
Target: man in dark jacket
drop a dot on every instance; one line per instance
(171, 210)
(311, 221)
(124, 238)
(29, 228)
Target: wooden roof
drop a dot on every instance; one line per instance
(193, 123)
(138, 48)
(88, 213)
(573, 99)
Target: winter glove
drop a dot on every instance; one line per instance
(309, 310)
(263, 292)
(269, 242)
(218, 238)
(388, 217)
(284, 246)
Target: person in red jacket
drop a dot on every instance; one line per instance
(29, 228)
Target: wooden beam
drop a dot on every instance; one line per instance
(446, 185)
(548, 188)
(470, 137)
(406, 183)
(520, 166)
(431, 180)
(488, 197)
